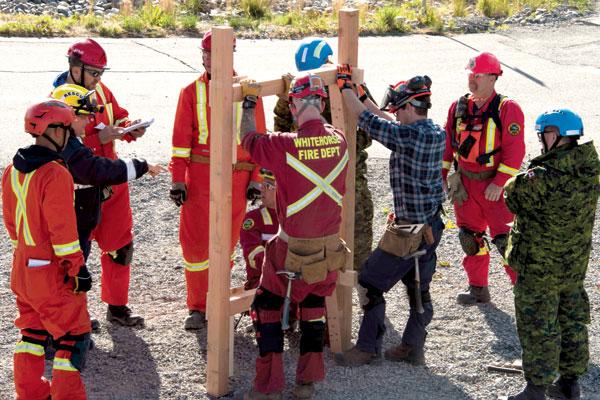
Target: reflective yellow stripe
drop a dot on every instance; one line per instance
(20, 192)
(322, 319)
(491, 136)
(482, 251)
(507, 170)
(15, 242)
(446, 165)
(64, 364)
(237, 120)
(266, 215)
(31, 348)
(321, 185)
(69, 248)
(108, 107)
(117, 122)
(181, 152)
(201, 112)
(201, 266)
(253, 254)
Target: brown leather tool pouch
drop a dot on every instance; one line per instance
(315, 257)
(399, 243)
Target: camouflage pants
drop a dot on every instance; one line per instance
(363, 222)
(551, 323)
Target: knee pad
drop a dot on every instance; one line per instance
(124, 255)
(313, 336)
(469, 240)
(79, 350)
(374, 296)
(269, 335)
(313, 301)
(412, 297)
(501, 242)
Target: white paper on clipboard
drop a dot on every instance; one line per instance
(409, 228)
(143, 124)
(33, 262)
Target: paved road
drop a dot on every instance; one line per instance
(542, 69)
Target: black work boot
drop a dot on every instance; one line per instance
(531, 392)
(564, 388)
(475, 294)
(123, 316)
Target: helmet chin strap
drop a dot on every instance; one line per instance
(80, 83)
(305, 105)
(65, 138)
(545, 144)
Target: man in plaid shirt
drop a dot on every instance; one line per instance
(417, 146)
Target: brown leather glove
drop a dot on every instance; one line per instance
(456, 190)
(287, 81)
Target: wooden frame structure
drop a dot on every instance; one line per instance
(223, 301)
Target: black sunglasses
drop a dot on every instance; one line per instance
(94, 73)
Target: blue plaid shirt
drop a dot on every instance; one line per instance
(415, 164)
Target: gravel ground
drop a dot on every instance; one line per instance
(163, 361)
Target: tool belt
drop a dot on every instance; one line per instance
(315, 257)
(238, 166)
(400, 243)
(478, 176)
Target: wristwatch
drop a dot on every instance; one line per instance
(249, 101)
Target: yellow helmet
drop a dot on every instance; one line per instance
(82, 100)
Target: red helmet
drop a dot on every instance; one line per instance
(40, 116)
(89, 52)
(307, 85)
(206, 41)
(484, 63)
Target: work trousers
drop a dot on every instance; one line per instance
(476, 214)
(381, 272)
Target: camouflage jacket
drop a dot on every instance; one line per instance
(284, 122)
(554, 203)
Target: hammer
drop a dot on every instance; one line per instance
(285, 318)
(416, 255)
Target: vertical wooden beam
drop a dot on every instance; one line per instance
(221, 136)
(348, 54)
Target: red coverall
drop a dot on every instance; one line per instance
(477, 213)
(115, 228)
(191, 136)
(316, 153)
(259, 226)
(40, 219)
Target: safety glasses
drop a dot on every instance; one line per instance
(94, 73)
(267, 186)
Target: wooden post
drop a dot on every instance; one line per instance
(348, 54)
(221, 115)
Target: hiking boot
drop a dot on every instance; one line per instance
(253, 394)
(531, 392)
(406, 353)
(195, 320)
(303, 390)
(356, 357)
(475, 294)
(123, 315)
(564, 389)
(95, 324)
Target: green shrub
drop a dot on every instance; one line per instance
(459, 8)
(90, 21)
(132, 24)
(495, 8)
(196, 6)
(256, 9)
(188, 23)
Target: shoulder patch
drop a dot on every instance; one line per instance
(248, 224)
(531, 174)
(514, 129)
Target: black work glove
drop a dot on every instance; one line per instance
(253, 191)
(83, 280)
(178, 193)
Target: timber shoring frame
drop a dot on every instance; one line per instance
(223, 301)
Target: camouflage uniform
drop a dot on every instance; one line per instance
(363, 206)
(549, 245)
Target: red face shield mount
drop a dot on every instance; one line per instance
(406, 92)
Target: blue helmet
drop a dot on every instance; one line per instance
(568, 122)
(312, 53)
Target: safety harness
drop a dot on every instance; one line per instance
(466, 128)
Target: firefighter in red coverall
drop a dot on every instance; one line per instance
(485, 143)
(190, 188)
(48, 274)
(310, 168)
(259, 226)
(114, 235)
